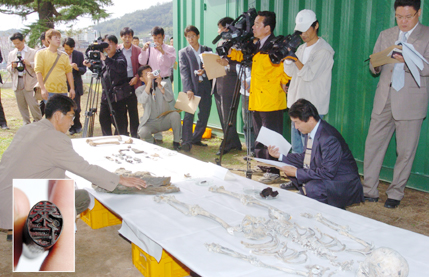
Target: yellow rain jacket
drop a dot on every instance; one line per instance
(266, 93)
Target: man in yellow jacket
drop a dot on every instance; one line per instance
(267, 99)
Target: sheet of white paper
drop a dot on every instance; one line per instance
(183, 103)
(413, 59)
(268, 137)
(271, 162)
(220, 172)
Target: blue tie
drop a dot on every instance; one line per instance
(398, 75)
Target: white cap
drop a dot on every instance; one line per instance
(304, 19)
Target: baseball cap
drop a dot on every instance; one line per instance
(304, 19)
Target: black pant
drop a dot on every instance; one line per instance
(106, 121)
(223, 104)
(133, 112)
(203, 115)
(76, 123)
(273, 121)
(2, 116)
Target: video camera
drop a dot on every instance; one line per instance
(19, 64)
(283, 47)
(92, 54)
(240, 34)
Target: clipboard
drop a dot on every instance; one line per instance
(212, 68)
(183, 103)
(383, 57)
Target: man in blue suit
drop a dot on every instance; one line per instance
(326, 171)
(76, 62)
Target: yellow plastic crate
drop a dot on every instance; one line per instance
(207, 133)
(149, 266)
(99, 217)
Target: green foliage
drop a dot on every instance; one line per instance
(53, 11)
(141, 21)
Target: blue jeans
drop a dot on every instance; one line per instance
(298, 139)
(52, 94)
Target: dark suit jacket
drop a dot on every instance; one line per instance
(77, 58)
(332, 165)
(188, 64)
(135, 52)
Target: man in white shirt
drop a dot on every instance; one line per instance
(311, 73)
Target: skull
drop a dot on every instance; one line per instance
(383, 262)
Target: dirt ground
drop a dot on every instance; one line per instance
(104, 252)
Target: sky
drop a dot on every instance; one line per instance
(118, 9)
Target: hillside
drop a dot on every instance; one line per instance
(141, 21)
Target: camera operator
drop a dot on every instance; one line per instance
(20, 65)
(311, 73)
(267, 99)
(115, 84)
(223, 91)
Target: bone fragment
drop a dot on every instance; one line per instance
(128, 141)
(119, 138)
(101, 143)
(313, 271)
(193, 210)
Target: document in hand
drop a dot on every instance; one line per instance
(413, 59)
(183, 103)
(271, 162)
(268, 137)
(212, 67)
(384, 57)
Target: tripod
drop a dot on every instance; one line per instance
(232, 117)
(92, 104)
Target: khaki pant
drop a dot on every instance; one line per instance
(25, 100)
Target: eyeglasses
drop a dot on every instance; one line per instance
(407, 17)
(71, 115)
(191, 37)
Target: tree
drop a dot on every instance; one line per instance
(53, 11)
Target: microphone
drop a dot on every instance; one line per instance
(217, 39)
(103, 45)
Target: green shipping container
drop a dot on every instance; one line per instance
(351, 27)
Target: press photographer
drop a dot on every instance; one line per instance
(267, 98)
(21, 67)
(115, 85)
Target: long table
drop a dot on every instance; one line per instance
(155, 226)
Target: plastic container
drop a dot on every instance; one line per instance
(99, 217)
(149, 266)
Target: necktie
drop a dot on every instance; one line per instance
(307, 159)
(398, 75)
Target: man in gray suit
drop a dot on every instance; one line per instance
(42, 150)
(157, 115)
(195, 82)
(398, 106)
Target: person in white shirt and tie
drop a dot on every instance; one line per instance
(400, 105)
(326, 171)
